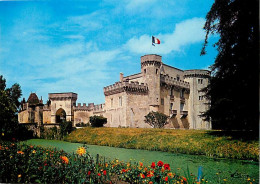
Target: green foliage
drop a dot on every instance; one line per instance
(156, 119)
(232, 90)
(65, 128)
(56, 133)
(82, 124)
(9, 103)
(97, 121)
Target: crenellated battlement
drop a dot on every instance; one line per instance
(151, 59)
(197, 73)
(89, 107)
(174, 82)
(132, 87)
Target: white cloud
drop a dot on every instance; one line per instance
(187, 32)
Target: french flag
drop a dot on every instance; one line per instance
(155, 40)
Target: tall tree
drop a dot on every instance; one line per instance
(9, 103)
(233, 89)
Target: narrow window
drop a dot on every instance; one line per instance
(178, 77)
(182, 93)
(181, 106)
(111, 102)
(144, 70)
(156, 71)
(171, 106)
(162, 101)
(120, 101)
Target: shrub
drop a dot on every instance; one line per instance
(82, 124)
(97, 121)
(156, 119)
(65, 128)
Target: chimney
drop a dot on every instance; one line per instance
(121, 77)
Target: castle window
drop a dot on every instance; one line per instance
(178, 77)
(182, 93)
(144, 70)
(171, 106)
(120, 101)
(200, 81)
(111, 102)
(162, 101)
(171, 92)
(156, 71)
(200, 97)
(181, 106)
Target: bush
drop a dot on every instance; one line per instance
(82, 124)
(65, 128)
(156, 119)
(97, 121)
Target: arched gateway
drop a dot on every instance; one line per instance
(62, 106)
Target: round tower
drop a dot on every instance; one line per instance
(198, 80)
(150, 67)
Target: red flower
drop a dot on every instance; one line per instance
(166, 178)
(142, 175)
(123, 170)
(105, 172)
(160, 163)
(167, 166)
(184, 179)
(89, 172)
(99, 174)
(153, 165)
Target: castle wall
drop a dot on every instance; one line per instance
(23, 116)
(46, 116)
(116, 110)
(137, 108)
(172, 72)
(82, 116)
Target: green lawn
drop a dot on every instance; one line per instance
(235, 171)
(216, 144)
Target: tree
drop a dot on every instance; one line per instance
(156, 119)
(97, 121)
(233, 89)
(9, 103)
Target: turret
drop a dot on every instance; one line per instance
(198, 79)
(150, 66)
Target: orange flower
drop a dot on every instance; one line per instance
(19, 175)
(64, 159)
(81, 151)
(20, 152)
(141, 164)
(150, 182)
(184, 179)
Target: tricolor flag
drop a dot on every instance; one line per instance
(155, 40)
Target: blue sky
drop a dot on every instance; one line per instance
(82, 46)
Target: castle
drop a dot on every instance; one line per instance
(158, 87)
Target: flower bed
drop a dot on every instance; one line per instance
(21, 163)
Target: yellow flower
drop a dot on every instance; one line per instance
(81, 151)
(3, 134)
(248, 179)
(33, 151)
(224, 179)
(19, 175)
(64, 159)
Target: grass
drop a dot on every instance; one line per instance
(217, 144)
